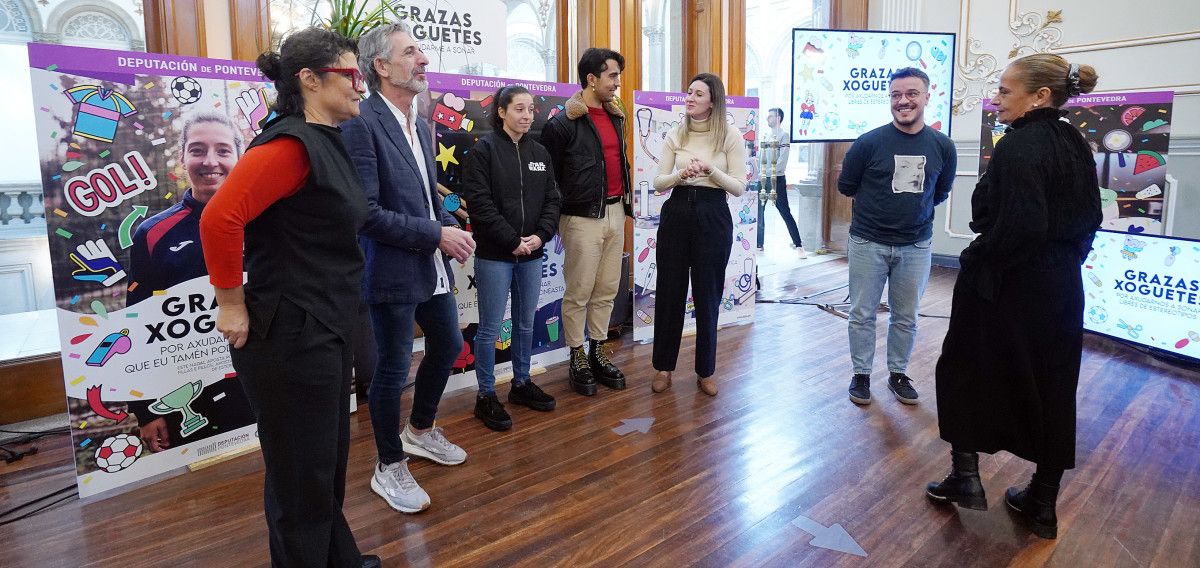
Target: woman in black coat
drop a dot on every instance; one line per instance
(513, 201)
(1009, 368)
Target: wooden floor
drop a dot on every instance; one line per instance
(716, 482)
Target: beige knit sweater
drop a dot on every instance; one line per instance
(728, 162)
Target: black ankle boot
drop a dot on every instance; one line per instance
(580, 373)
(1036, 504)
(962, 486)
(603, 369)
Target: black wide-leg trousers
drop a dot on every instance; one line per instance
(694, 238)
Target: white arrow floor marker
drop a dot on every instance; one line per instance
(629, 425)
(833, 537)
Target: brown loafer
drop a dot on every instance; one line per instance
(708, 385)
(661, 382)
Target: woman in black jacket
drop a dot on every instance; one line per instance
(1010, 363)
(513, 202)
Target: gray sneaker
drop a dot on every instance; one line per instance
(431, 445)
(396, 485)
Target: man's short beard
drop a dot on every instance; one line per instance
(914, 119)
(415, 85)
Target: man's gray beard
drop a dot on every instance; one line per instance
(415, 85)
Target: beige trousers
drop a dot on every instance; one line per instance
(592, 270)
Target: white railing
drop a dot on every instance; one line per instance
(21, 207)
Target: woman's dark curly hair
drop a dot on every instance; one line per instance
(311, 48)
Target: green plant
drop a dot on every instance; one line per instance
(351, 18)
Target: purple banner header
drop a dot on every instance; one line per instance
(666, 100)
(1096, 99)
(460, 83)
(91, 62)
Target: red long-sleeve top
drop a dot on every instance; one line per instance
(264, 175)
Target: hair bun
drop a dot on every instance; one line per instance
(268, 63)
(1087, 78)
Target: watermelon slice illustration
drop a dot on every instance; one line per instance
(1148, 160)
(1131, 114)
(1150, 125)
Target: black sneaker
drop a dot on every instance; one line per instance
(860, 389)
(492, 413)
(901, 386)
(530, 395)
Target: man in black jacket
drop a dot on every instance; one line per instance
(587, 145)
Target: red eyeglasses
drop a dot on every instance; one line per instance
(351, 73)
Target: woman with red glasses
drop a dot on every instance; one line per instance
(294, 203)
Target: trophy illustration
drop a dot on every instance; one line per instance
(179, 400)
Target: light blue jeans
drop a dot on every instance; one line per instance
(494, 279)
(905, 271)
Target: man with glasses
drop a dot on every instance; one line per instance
(896, 174)
(408, 238)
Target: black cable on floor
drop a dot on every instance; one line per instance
(62, 430)
(70, 488)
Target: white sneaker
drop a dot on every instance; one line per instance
(431, 445)
(801, 252)
(396, 485)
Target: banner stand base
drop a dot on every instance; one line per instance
(197, 466)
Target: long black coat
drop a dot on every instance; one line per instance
(1009, 368)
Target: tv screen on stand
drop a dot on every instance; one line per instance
(1144, 289)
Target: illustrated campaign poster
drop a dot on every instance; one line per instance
(1129, 134)
(655, 114)
(459, 109)
(132, 145)
(1144, 289)
(841, 80)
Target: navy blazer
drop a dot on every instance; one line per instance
(398, 238)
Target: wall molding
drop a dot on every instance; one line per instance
(23, 271)
(1129, 42)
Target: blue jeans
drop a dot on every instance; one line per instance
(905, 270)
(393, 325)
(495, 279)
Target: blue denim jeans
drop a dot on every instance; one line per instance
(905, 271)
(393, 325)
(494, 279)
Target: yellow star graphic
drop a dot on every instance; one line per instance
(807, 72)
(445, 156)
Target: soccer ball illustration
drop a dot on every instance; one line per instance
(118, 452)
(186, 90)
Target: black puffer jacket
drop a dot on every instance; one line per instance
(578, 156)
(510, 192)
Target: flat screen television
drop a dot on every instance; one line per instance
(1144, 289)
(840, 80)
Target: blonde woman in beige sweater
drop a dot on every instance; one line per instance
(704, 160)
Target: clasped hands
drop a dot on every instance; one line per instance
(528, 245)
(695, 168)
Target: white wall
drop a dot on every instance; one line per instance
(1154, 47)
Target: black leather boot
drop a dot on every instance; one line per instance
(962, 486)
(580, 373)
(603, 369)
(1036, 504)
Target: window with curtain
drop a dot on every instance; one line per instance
(662, 45)
(531, 27)
(291, 15)
(27, 321)
(769, 26)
